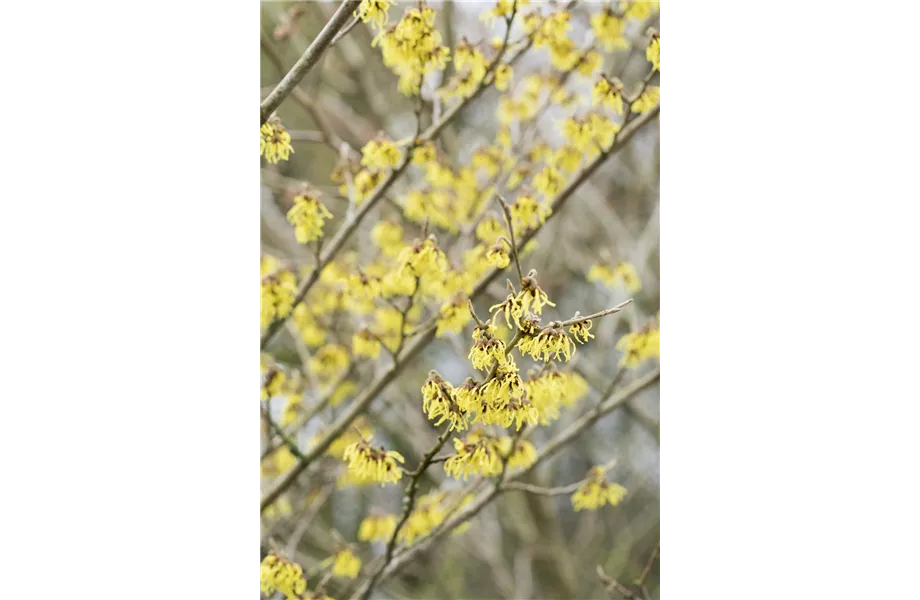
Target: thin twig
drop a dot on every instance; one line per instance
(344, 32)
(514, 248)
(309, 58)
(409, 502)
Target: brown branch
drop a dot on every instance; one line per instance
(308, 60)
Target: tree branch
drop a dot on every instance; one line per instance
(308, 60)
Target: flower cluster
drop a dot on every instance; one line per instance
(640, 346)
(376, 464)
(279, 573)
(428, 513)
(653, 51)
(375, 12)
(276, 296)
(345, 564)
(550, 390)
(365, 343)
(307, 216)
(412, 48)
(471, 66)
(647, 100)
(380, 154)
(596, 491)
(275, 143)
(329, 362)
(438, 401)
(360, 430)
(528, 213)
(609, 93)
(549, 343)
(608, 29)
(481, 454)
(622, 274)
(377, 528)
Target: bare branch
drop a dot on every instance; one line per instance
(307, 60)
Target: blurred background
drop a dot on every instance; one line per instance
(523, 545)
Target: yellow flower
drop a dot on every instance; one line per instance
(549, 181)
(377, 528)
(281, 508)
(466, 57)
(552, 29)
(566, 158)
(292, 408)
(437, 395)
(360, 291)
(365, 182)
(626, 274)
(489, 230)
(380, 154)
(581, 331)
(474, 457)
(351, 479)
(639, 346)
(604, 130)
(453, 315)
(346, 564)
(427, 515)
(589, 63)
(503, 75)
(307, 216)
(549, 343)
(278, 573)
(577, 132)
(489, 159)
(278, 291)
(344, 390)
(486, 349)
(597, 492)
(608, 29)
(498, 256)
(310, 330)
(637, 9)
(649, 98)
(388, 236)
(609, 93)
(523, 455)
(601, 273)
(467, 395)
(503, 9)
(424, 154)
(423, 258)
(517, 177)
(359, 430)
(412, 48)
(364, 343)
(275, 142)
(532, 297)
(511, 308)
(376, 464)
(279, 462)
(375, 12)
(272, 382)
(653, 52)
(329, 362)
(527, 213)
